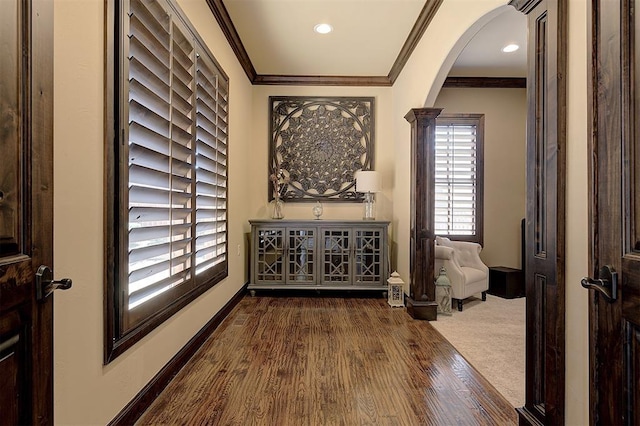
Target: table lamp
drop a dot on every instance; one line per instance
(368, 182)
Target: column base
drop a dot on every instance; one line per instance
(422, 309)
(528, 418)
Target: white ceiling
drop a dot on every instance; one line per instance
(483, 57)
(367, 38)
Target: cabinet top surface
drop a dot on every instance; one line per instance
(317, 222)
(503, 269)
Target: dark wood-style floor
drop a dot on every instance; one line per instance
(327, 361)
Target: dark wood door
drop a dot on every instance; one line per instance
(614, 319)
(545, 218)
(26, 111)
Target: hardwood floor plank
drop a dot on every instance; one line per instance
(327, 361)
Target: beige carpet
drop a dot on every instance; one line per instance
(490, 335)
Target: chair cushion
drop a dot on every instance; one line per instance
(472, 275)
(466, 253)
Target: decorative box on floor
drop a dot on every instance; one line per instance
(506, 282)
(396, 290)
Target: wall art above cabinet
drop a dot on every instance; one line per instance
(318, 143)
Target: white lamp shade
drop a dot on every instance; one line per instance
(368, 181)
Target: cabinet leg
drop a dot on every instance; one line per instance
(252, 293)
(385, 294)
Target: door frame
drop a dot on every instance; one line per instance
(40, 180)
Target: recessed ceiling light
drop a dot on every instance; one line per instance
(323, 28)
(510, 48)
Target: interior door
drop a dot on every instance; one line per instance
(614, 315)
(545, 221)
(26, 195)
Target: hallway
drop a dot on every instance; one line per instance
(327, 360)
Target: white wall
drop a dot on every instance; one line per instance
(577, 229)
(86, 392)
(505, 119)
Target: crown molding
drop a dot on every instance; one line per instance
(312, 80)
(486, 82)
(524, 6)
(424, 19)
(226, 25)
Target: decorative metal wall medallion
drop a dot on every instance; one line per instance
(318, 143)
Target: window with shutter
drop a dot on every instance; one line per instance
(459, 177)
(168, 227)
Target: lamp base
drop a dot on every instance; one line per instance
(369, 206)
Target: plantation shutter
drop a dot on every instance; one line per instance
(211, 161)
(457, 177)
(177, 159)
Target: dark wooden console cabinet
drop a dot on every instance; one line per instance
(319, 255)
(506, 282)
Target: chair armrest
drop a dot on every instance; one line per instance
(444, 253)
(446, 256)
(468, 254)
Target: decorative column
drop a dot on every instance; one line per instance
(421, 303)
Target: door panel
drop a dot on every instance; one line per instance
(604, 318)
(630, 296)
(614, 326)
(545, 221)
(26, 226)
(12, 332)
(9, 128)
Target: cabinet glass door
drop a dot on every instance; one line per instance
(369, 246)
(301, 256)
(336, 256)
(269, 255)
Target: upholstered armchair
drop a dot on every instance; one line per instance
(466, 271)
